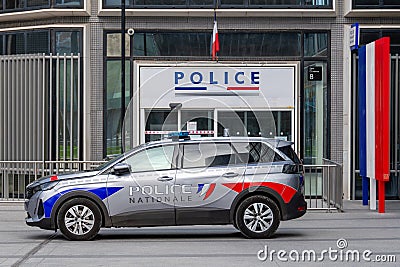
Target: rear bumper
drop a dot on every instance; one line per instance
(296, 208)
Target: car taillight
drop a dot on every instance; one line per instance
(292, 168)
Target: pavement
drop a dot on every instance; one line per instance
(338, 237)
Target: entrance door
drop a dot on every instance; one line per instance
(207, 123)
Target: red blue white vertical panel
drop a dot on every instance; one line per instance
(374, 59)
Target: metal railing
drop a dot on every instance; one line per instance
(323, 183)
(41, 101)
(16, 175)
(324, 186)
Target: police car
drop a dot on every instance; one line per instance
(252, 183)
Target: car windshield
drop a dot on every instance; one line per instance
(108, 164)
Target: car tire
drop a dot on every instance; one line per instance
(257, 217)
(79, 219)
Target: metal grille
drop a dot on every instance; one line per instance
(40, 107)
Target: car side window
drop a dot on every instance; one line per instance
(256, 152)
(207, 155)
(152, 159)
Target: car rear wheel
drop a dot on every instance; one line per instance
(79, 219)
(257, 217)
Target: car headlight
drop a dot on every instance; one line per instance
(44, 186)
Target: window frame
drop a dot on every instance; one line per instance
(51, 5)
(173, 159)
(217, 4)
(181, 155)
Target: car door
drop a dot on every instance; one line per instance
(147, 197)
(207, 167)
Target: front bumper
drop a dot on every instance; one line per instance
(35, 213)
(44, 223)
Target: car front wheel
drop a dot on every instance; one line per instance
(79, 219)
(258, 217)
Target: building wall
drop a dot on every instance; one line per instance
(340, 68)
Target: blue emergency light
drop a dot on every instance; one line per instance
(179, 135)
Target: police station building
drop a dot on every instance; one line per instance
(284, 70)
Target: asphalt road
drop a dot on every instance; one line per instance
(363, 230)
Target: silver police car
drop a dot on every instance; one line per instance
(252, 183)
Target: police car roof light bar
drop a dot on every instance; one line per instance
(179, 136)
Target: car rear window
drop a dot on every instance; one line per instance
(289, 152)
(256, 152)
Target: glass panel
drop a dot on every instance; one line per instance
(13, 4)
(260, 44)
(68, 42)
(68, 2)
(315, 44)
(198, 120)
(256, 152)
(366, 2)
(173, 44)
(31, 3)
(115, 3)
(314, 115)
(231, 3)
(114, 45)
(231, 44)
(153, 159)
(317, 2)
(20, 43)
(201, 3)
(159, 123)
(392, 2)
(207, 155)
(114, 117)
(161, 2)
(246, 123)
(15, 44)
(367, 36)
(283, 125)
(37, 42)
(275, 2)
(1, 45)
(394, 36)
(10, 44)
(1, 8)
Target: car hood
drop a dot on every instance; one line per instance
(60, 177)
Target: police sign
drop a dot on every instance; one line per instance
(217, 85)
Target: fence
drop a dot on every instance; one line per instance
(41, 100)
(323, 183)
(324, 186)
(16, 175)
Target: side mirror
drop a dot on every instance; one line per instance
(121, 169)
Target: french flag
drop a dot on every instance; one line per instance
(215, 40)
(374, 112)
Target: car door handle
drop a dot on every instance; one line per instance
(230, 174)
(165, 178)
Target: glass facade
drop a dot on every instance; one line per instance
(41, 41)
(220, 3)
(382, 4)
(22, 5)
(311, 49)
